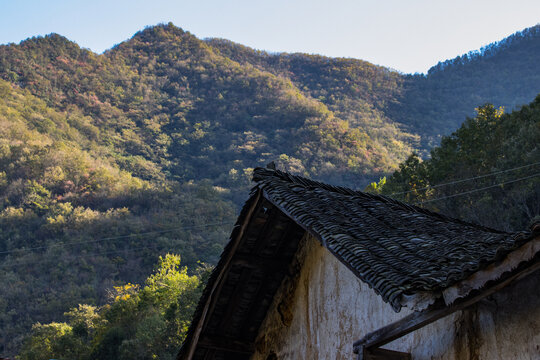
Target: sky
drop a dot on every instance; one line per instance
(405, 35)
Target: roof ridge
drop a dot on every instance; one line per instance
(260, 174)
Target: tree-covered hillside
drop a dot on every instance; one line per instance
(505, 73)
(108, 161)
(72, 223)
(171, 99)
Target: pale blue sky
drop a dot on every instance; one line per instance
(406, 35)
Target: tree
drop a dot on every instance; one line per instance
(409, 181)
(139, 323)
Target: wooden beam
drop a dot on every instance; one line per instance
(232, 302)
(383, 354)
(226, 344)
(253, 307)
(259, 262)
(287, 235)
(271, 266)
(437, 311)
(254, 211)
(209, 355)
(255, 262)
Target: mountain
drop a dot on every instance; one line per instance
(107, 161)
(505, 73)
(177, 102)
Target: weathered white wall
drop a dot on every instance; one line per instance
(321, 312)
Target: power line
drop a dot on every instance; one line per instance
(479, 189)
(208, 225)
(115, 237)
(77, 257)
(229, 223)
(464, 180)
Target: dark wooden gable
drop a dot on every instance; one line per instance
(251, 277)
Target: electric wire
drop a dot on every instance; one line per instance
(229, 223)
(78, 257)
(478, 189)
(467, 179)
(115, 237)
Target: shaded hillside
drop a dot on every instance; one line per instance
(72, 223)
(505, 73)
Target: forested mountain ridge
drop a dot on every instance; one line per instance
(173, 97)
(368, 117)
(505, 73)
(107, 161)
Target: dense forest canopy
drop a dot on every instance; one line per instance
(109, 161)
(487, 171)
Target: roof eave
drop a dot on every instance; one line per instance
(492, 272)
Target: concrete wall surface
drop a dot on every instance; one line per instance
(324, 308)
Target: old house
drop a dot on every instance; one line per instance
(314, 271)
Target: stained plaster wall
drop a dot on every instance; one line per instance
(321, 311)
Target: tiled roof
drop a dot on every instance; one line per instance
(397, 249)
